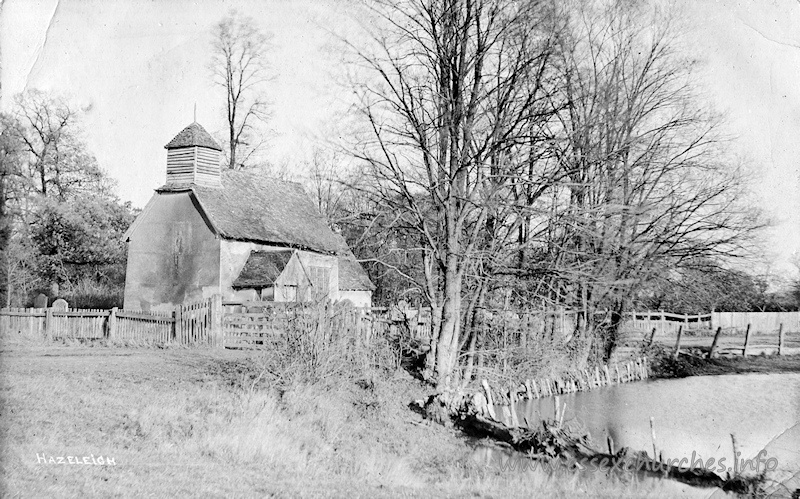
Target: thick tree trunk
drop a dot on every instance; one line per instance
(436, 326)
(609, 337)
(472, 347)
(447, 349)
(473, 331)
(448, 337)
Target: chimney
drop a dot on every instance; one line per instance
(193, 157)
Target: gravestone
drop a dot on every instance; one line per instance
(40, 301)
(54, 289)
(60, 304)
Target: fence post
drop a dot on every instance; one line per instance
(780, 339)
(653, 436)
(678, 343)
(216, 339)
(178, 325)
(112, 323)
(49, 323)
(746, 340)
(713, 352)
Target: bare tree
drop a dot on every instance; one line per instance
(239, 65)
(57, 162)
(326, 181)
(647, 185)
(455, 96)
(556, 153)
(11, 176)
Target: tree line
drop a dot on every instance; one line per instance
(61, 223)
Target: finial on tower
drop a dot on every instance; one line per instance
(195, 112)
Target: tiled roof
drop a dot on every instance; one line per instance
(352, 276)
(193, 135)
(262, 269)
(251, 207)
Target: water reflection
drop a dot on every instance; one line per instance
(691, 415)
(693, 418)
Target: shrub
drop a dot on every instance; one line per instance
(88, 293)
(322, 340)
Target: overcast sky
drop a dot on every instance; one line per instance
(142, 65)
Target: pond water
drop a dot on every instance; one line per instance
(693, 418)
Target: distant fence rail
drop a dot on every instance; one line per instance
(665, 323)
(732, 333)
(668, 323)
(758, 321)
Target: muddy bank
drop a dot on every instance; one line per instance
(694, 362)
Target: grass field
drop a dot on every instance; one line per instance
(192, 423)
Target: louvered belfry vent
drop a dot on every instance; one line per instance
(193, 157)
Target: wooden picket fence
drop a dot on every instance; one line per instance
(200, 323)
(189, 324)
(156, 327)
(247, 325)
(254, 321)
(26, 323)
(212, 322)
(83, 324)
(254, 324)
(259, 324)
(204, 323)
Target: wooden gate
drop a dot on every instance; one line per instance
(200, 323)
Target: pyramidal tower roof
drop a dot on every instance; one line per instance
(193, 135)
